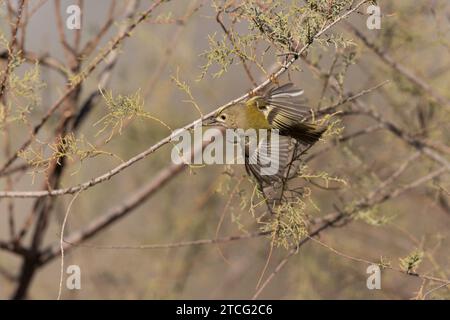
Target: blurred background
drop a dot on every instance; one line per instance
(411, 215)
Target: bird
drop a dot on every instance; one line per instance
(282, 108)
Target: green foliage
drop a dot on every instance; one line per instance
(282, 25)
(183, 86)
(27, 86)
(121, 109)
(8, 115)
(219, 53)
(273, 23)
(411, 262)
(384, 263)
(23, 91)
(258, 34)
(165, 17)
(290, 25)
(66, 147)
(305, 173)
(288, 225)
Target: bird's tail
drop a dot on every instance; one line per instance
(307, 133)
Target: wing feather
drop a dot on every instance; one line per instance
(286, 111)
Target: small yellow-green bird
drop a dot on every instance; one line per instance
(281, 108)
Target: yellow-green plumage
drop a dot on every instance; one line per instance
(243, 116)
(279, 109)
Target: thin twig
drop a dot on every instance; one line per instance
(347, 256)
(152, 149)
(11, 49)
(407, 73)
(118, 40)
(180, 244)
(63, 227)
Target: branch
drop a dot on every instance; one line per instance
(171, 47)
(294, 251)
(173, 245)
(105, 74)
(347, 256)
(120, 211)
(233, 43)
(152, 149)
(92, 44)
(333, 218)
(411, 76)
(11, 46)
(85, 73)
(362, 108)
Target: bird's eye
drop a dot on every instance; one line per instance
(223, 117)
(260, 106)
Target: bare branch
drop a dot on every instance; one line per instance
(118, 40)
(407, 73)
(166, 140)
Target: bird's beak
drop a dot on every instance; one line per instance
(209, 122)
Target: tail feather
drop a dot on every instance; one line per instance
(288, 112)
(307, 133)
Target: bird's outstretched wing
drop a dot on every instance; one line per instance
(268, 161)
(275, 186)
(286, 110)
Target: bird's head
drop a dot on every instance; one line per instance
(232, 117)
